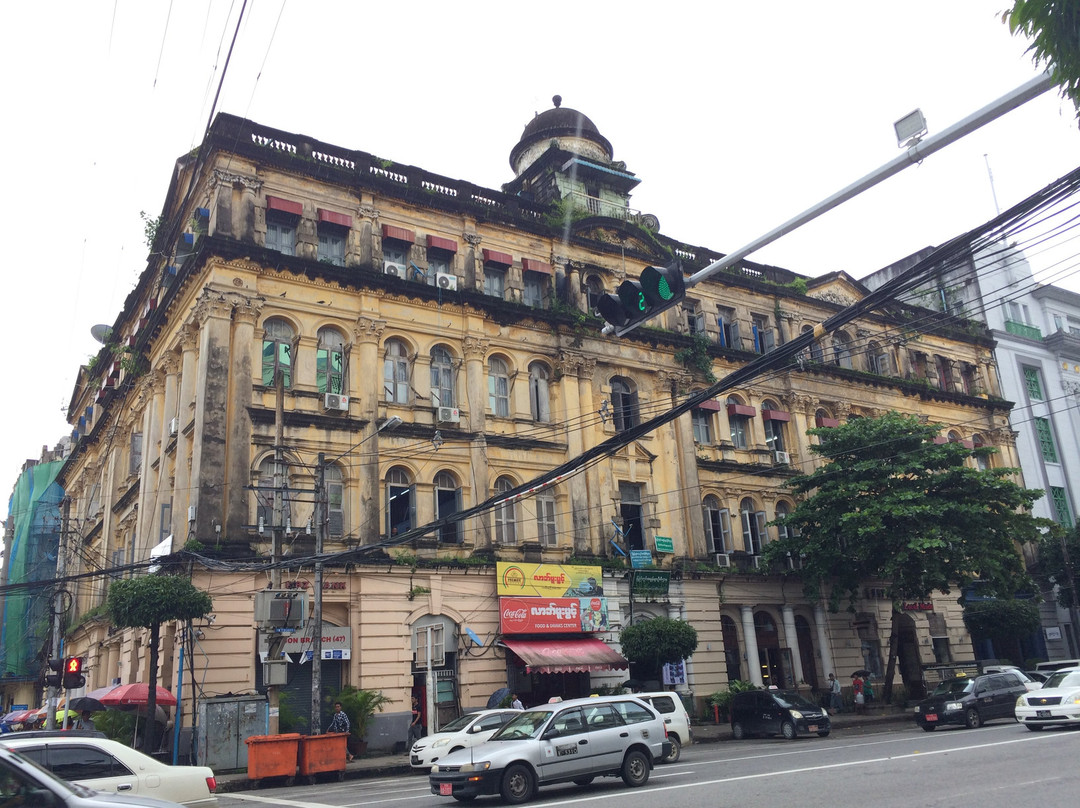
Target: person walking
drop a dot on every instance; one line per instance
(860, 696)
(836, 698)
(340, 723)
(85, 721)
(515, 702)
(416, 728)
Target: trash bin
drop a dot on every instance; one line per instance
(323, 753)
(272, 756)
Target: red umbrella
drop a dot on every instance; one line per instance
(135, 695)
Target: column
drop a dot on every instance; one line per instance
(365, 381)
(793, 642)
(753, 662)
(686, 460)
(823, 641)
(188, 344)
(475, 351)
(569, 366)
(245, 314)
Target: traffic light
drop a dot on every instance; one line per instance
(73, 675)
(56, 678)
(634, 302)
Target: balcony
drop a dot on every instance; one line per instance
(1022, 330)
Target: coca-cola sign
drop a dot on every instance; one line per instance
(552, 615)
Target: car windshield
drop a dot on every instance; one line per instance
(459, 723)
(1062, 679)
(525, 725)
(789, 699)
(954, 687)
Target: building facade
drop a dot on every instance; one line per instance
(361, 293)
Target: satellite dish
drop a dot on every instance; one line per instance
(101, 332)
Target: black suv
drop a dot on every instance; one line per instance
(970, 700)
(776, 712)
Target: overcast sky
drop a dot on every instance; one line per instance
(735, 116)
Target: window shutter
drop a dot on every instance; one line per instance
(725, 527)
(770, 339)
(762, 530)
(736, 339)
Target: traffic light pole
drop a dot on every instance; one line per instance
(57, 615)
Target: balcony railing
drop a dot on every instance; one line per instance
(1022, 330)
(604, 207)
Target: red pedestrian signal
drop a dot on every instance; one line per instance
(73, 675)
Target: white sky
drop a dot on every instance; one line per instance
(736, 116)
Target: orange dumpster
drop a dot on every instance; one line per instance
(272, 756)
(323, 753)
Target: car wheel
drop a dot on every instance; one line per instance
(635, 769)
(583, 781)
(824, 733)
(929, 727)
(787, 729)
(676, 749)
(737, 731)
(972, 719)
(1034, 727)
(518, 784)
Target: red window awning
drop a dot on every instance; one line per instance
(710, 404)
(581, 655)
(496, 257)
(284, 205)
(533, 265)
(442, 243)
(399, 233)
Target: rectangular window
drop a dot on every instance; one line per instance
(281, 232)
(329, 366)
(1033, 382)
(438, 646)
(447, 503)
(702, 425)
(695, 318)
(1046, 440)
(968, 377)
(438, 264)
(494, 281)
(536, 290)
(332, 244)
(165, 527)
(738, 431)
(135, 466)
(335, 494)
(499, 394)
(764, 337)
(395, 258)
(632, 515)
(719, 527)
(774, 435)
(545, 520)
(1060, 498)
(400, 510)
(729, 329)
(753, 531)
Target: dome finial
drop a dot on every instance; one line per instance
(556, 100)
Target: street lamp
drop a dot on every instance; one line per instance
(321, 517)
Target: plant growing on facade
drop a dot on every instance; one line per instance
(151, 225)
(696, 359)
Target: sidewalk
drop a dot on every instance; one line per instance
(382, 765)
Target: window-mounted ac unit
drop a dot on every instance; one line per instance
(722, 560)
(335, 402)
(396, 270)
(445, 280)
(174, 427)
(781, 458)
(447, 415)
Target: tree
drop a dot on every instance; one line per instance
(653, 643)
(1057, 555)
(147, 602)
(1005, 621)
(891, 505)
(1054, 29)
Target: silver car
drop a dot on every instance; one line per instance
(571, 741)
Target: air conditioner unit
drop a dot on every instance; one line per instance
(781, 458)
(174, 427)
(447, 415)
(445, 280)
(723, 560)
(336, 402)
(397, 270)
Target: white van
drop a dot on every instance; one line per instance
(670, 706)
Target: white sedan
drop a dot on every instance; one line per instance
(109, 766)
(1056, 703)
(461, 733)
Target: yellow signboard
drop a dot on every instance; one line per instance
(549, 580)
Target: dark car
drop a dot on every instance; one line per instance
(776, 712)
(969, 701)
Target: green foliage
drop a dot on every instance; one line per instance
(798, 286)
(657, 642)
(117, 725)
(1003, 619)
(696, 358)
(360, 706)
(563, 212)
(288, 719)
(1052, 561)
(892, 505)
(1053, 26)
(151, 600)
(151, 225)
(722, 698)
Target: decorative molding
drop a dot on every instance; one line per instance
(475, 348)
(219, 177)
(366, 329)
(367, 212)
(472, 239)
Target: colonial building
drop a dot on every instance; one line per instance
(365, 292)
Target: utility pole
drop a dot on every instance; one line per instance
(273, 693)
(58, 610)
(316, 612)
(1074, 615)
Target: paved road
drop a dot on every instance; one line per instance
(1001, 765)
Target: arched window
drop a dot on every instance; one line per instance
(739, 425)
(396, 372)
(842, 349)
(498, 387)
(330, 361)
(953, 436)
(277, 352)
(447, 503)
(539, 401)
(594, 290)
(774, 428)
(624, 404)
(442, 378)
(717, 526)
(335, 499)
(400, 501)
(753, 526)
(505, 514)
(815, 354)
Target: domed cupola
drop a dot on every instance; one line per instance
(573, 131)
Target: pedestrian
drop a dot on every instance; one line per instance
(860, 697)
(515, 702)
(340, 723)
(85, 721)
(836, 698)
(416, 728)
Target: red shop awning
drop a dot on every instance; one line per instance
(566, 656)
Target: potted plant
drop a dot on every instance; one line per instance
(360, 706)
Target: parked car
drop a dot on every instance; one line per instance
(777, 712)
(1038, 676)
(1057, 665)
(109, 766)
(23, 782)
(571, 741)
(970, 701)
(1056, 703)
(461, 733)
(670, 706)
(1029, 682)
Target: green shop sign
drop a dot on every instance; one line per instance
(650, 582)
